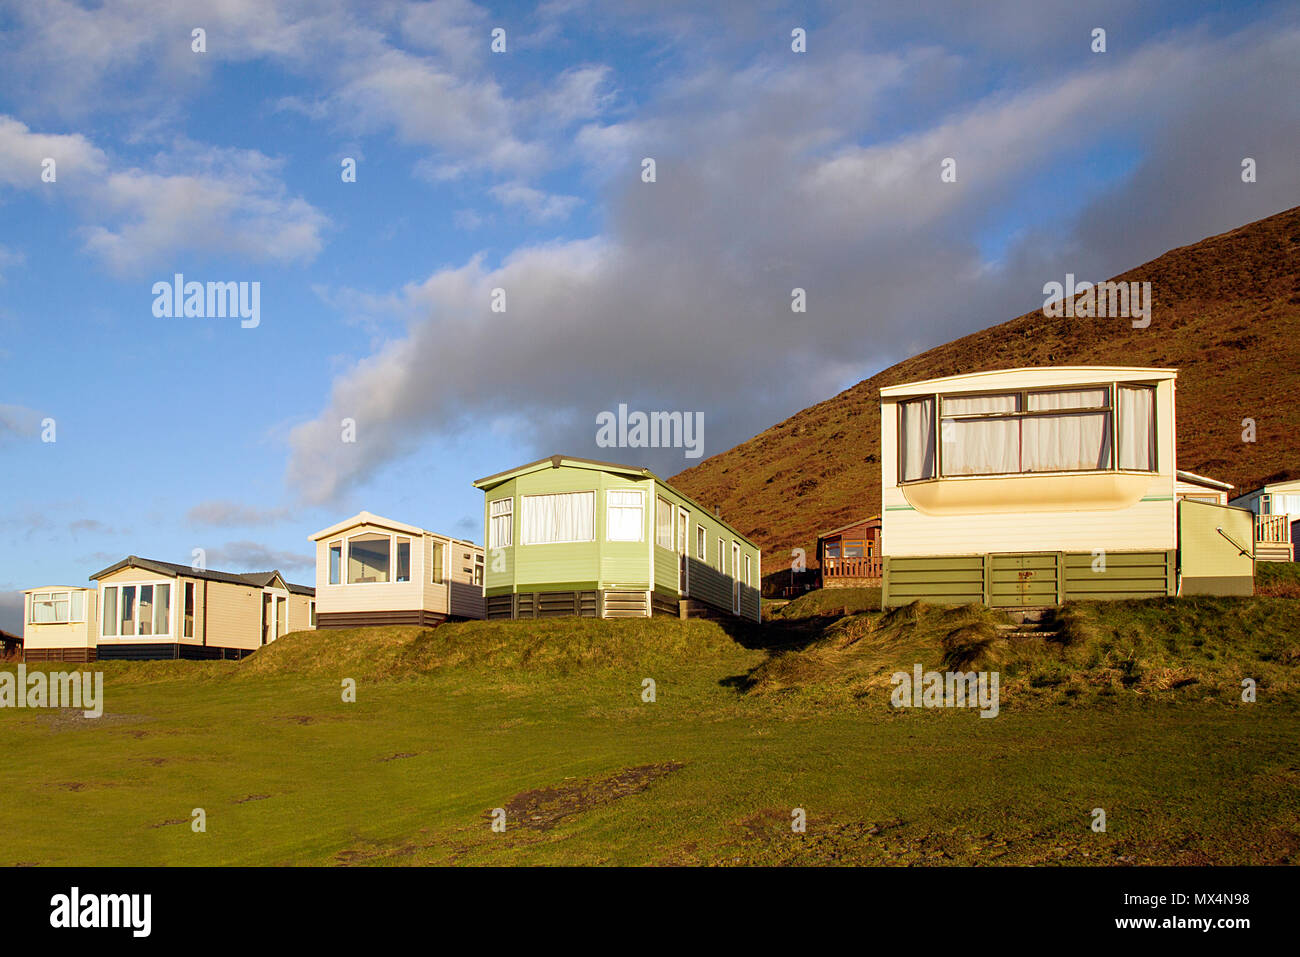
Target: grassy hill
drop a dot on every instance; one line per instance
(1226, 314)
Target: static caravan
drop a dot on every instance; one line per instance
(152, 609)
(59, 623)
(1201, 489)
(375, 571)
(1028, 487)
(1276, 508)
(849, 556)
(571, 536)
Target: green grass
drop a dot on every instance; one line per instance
(1277, 579)
(547, 720)
(830, 602)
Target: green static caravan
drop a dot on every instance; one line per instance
(571, 536)
(1031, 487)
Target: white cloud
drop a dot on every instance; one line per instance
(223, 512)
(766, 185)
(541, 206)
(196, 198)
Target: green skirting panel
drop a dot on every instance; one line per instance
(1028, 579)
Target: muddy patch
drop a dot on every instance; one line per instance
(543, 808)
(251, 797)
(400, 755)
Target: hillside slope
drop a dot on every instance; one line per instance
(1226, 314)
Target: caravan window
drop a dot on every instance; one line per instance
(915, 440)
(663, 523)
(501, 523)
(1010, 433)
(1137, 428)
(368, 559)
(559, 517)
(624, 515)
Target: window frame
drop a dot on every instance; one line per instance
(510, 525)
(390, 573)
(672, 523)
(640, 493)
(68, 593)
(437, 562)
(117, 587)
(701, 543)
(334, 576)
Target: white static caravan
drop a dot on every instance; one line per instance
(1276, 508)
(1026, 487)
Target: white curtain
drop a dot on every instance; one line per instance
(1137, 428)
(624, 516)
(78, 606)
(916, 439)
(980, 446)
(1072, 399)
(1066, 443)
(560, 517)
(663, 523)
(1284, 504)
(980, 404)
(162, 609)
(501, 523)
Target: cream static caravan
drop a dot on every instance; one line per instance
(59, 623)
(1025, 487)
(372, 570)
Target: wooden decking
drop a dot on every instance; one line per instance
(1273, 538)
(845, 572)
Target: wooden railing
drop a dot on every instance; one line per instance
(1273, 529)
(869, 567)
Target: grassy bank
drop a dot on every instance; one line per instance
(547, 721)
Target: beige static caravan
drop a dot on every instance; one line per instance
(375, 571)
(1028, 487)
(152, 609)
(59, 623)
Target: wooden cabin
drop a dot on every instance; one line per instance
(849, 556)
(572, 536)
(1029, 487)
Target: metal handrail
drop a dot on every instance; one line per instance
(1248, 554)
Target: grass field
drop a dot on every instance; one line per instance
(1135, 709)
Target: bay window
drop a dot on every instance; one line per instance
(1028, 432)
(56, 607)
(559, 517)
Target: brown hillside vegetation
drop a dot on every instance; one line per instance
(1225, 313)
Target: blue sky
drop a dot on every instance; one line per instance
(521, 171)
